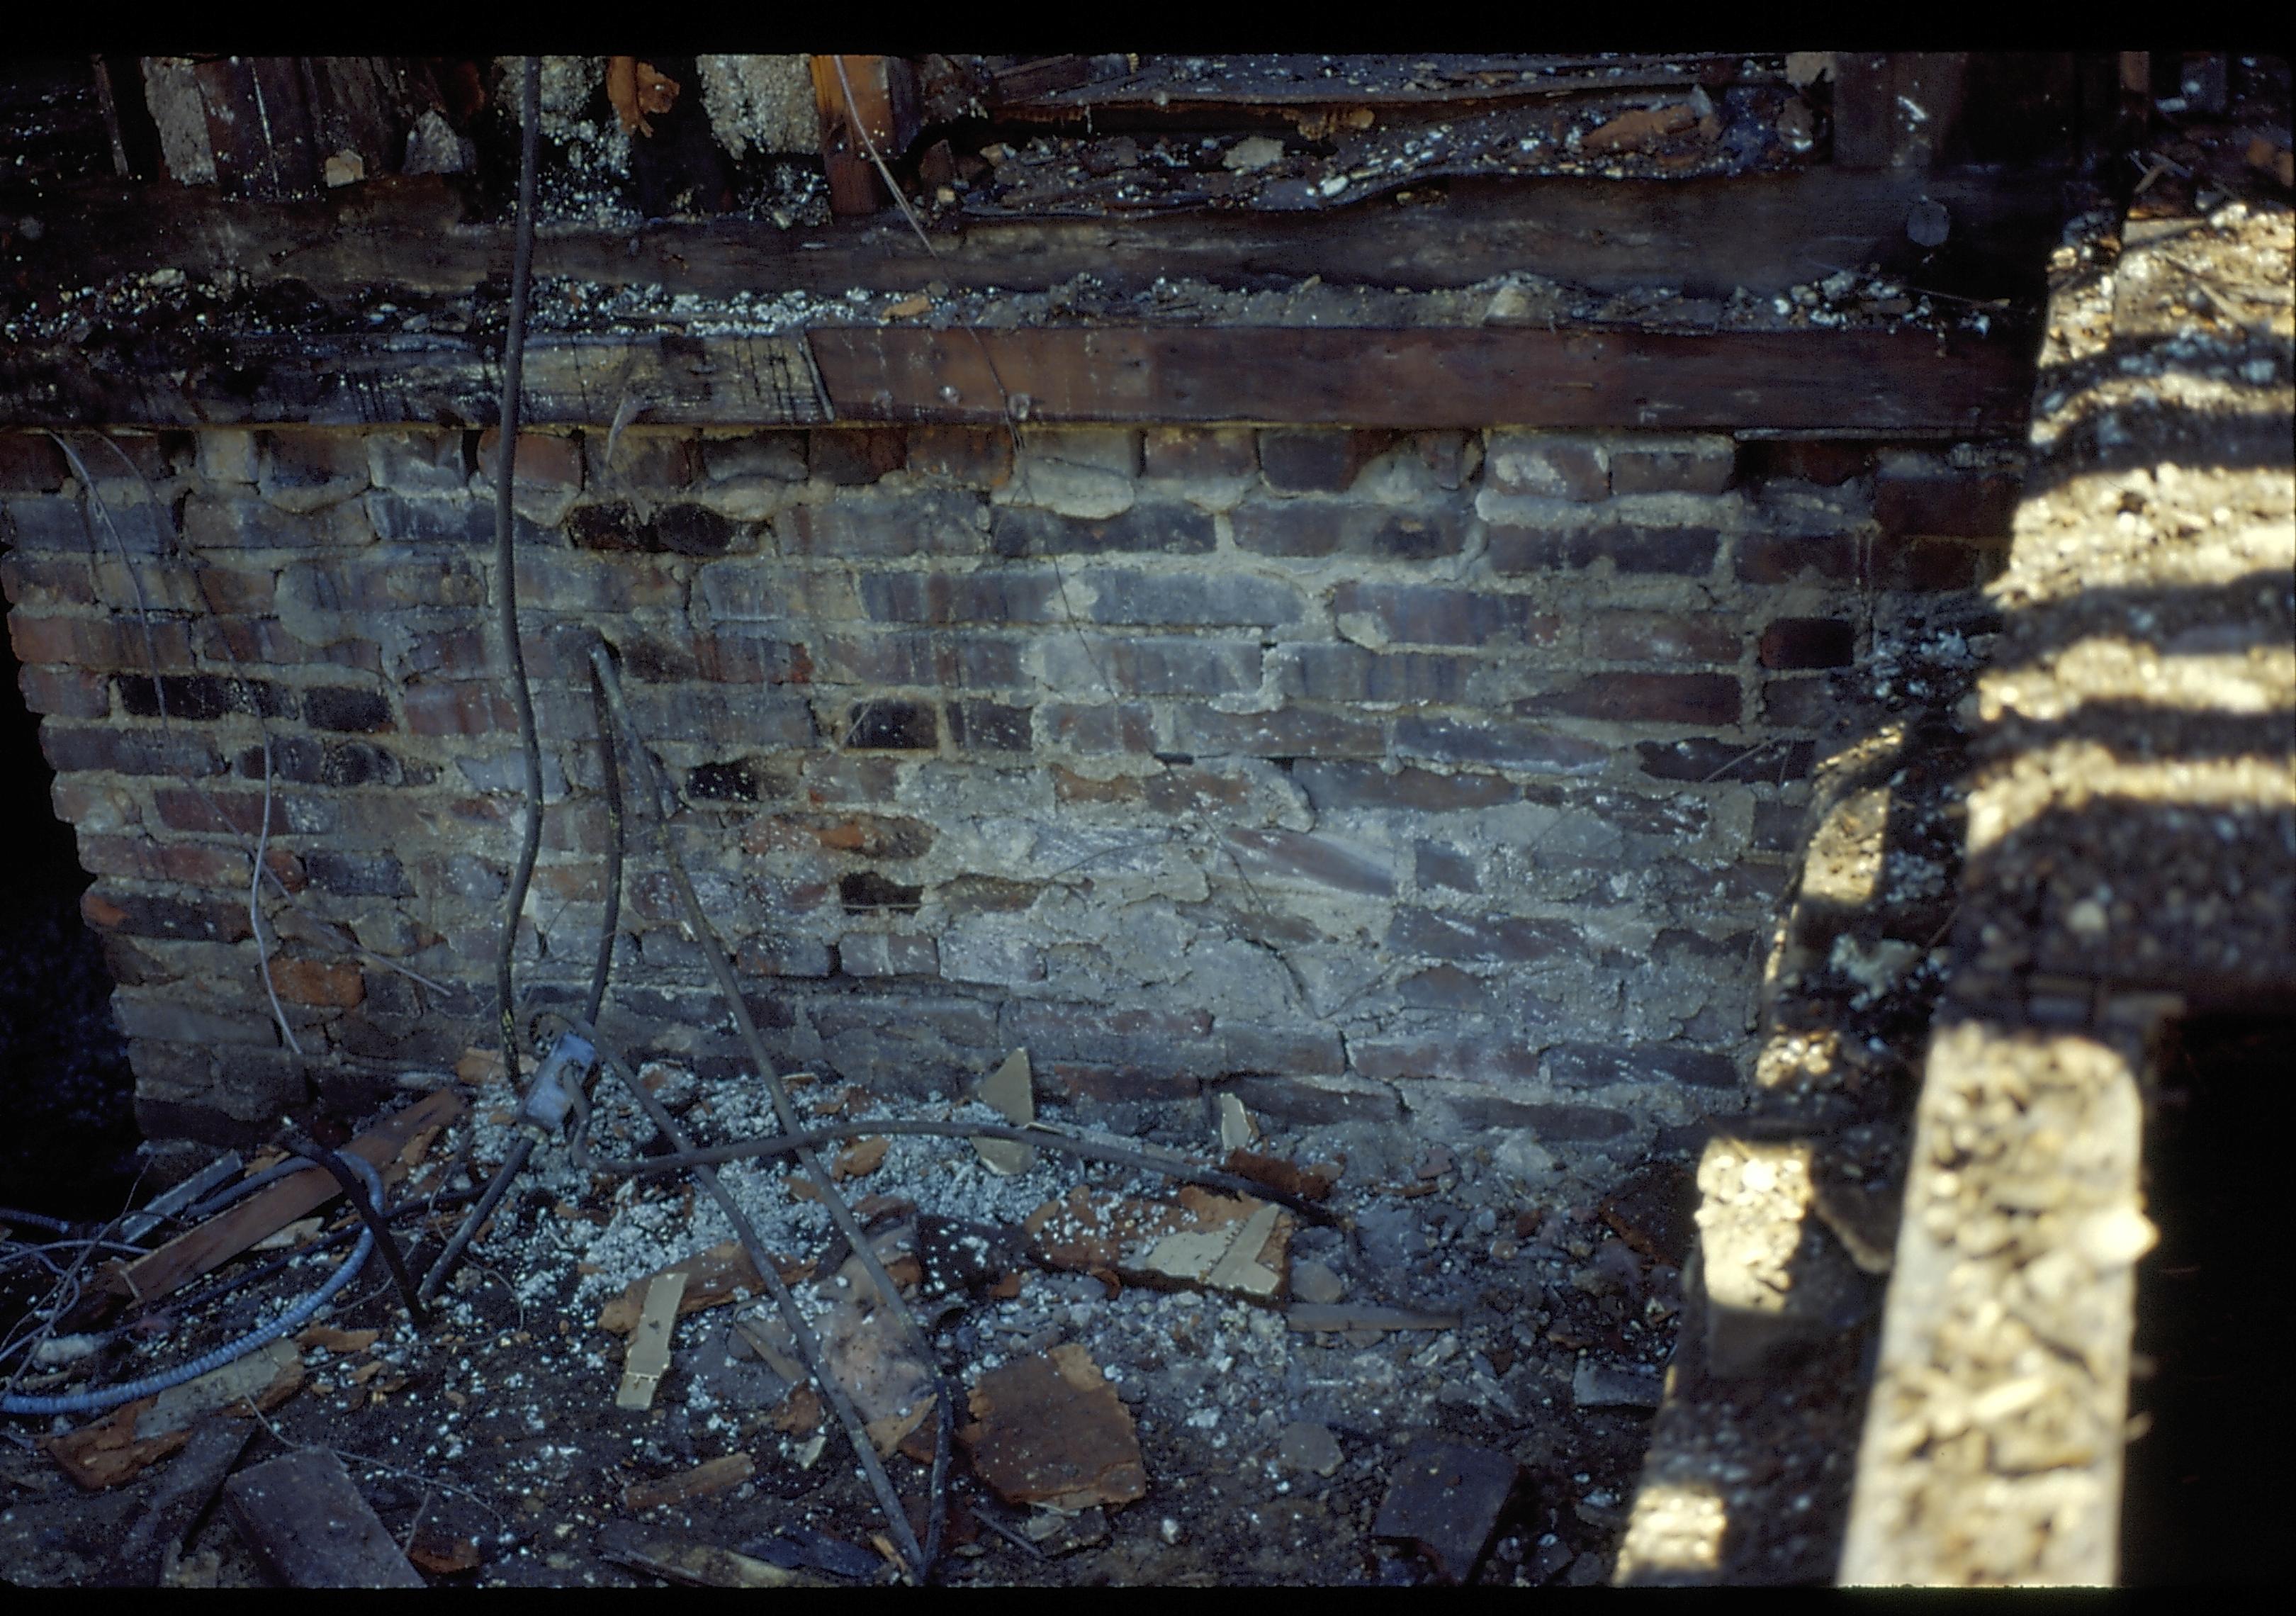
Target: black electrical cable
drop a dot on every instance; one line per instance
(530, 104)
(370, 1214)
(505, 557)
(192, 1301)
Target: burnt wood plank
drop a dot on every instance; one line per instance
(1432, 377)
(1703, 236)
(1859, 382)
(306, 1519)
(231, 1231)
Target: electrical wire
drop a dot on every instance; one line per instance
(111, 1397)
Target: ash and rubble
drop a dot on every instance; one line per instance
(1267, 1449)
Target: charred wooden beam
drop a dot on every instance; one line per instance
(882, 106)
(1844, 382)
(1702, 237)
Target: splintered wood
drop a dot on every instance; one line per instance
(1049, 1430)
(116, 1447)
(1200, 1240)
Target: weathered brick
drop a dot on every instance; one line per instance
(461, 708)
(560, 581)
(1558, 1124)
(1780, 558)
(746, 589)
(1497, 743)
(874, 836)
(1117, 726)
(225, 454)
(213, 521)
(357, 874)
(1656, 698)
(1171, 666)
(1192, 452)
(884, 954)
(213, 919)
(778, 456)
(1115, 1083)
(975, 456)
(1694, 465)
(1170, 528)
(33, 580)
(1317, 460)
(436, 519)
(292, 813)
(197, 697)
(1215, 599)
(989, 727)
(893, 725)
(1425, 614)
(144, 858)
(416, 460)
(1446, 987)
(1826, 462)
(1929, 563)
(545, 460)
(950, 660)
(721, 715)
(1246, 1049)
(1351, 673)
(781, 954)
(306, 469)
(1597, 1065)
(1547, 465)
(1809, 642)
(1920, 494)
(1452, 1058)
(30, 463)
(851, 455)
(144, 1016)
(978, 949)
(1778, 826)
(1810, 703)
(865, 892)
(1436, 934)
(1368, 785)
(736, 779)
(68, 749)
(843, 778)
(347, 711)
(1689, 551)
(363, 585)
(56, 521)
(1661, 636)
(1287, 732)
(1434, 865)
(1312, 528)
(1003, 595)
(688, 529)
(659, 461)
(1702, 760)
(65, 693)
(1451, 457)
(1323, 861)
(872, 526)
(302, 980)
(1313, 1101)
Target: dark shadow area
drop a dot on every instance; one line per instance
(2206, 1489)
(68, 1142)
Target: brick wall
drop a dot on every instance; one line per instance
(1451, 774)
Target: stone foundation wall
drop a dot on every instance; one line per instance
(1448, 775)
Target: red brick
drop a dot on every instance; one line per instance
(1436, 934)
(1689, 551)
(299, 981)
(1780, 558)
(65, 693)
(240, 811)
(32, 579)
(140, 915)
(1118, 727)
(1827, 462)
(1199, 451)
(1708, 465)
(654, 460)
(30, 463)
(1288, 732)
(1317, 460)
(1897, 562)
(1661, 636)
(1341, 786)
(1422, 614)
(97, 642)
(1077, 788)
(1917, 494)
(974, 457)
(1647, 696)
(948, 660)
(1113, 1083)
(851, 455)
(462, 708)
(1547, 465)
(71, 748)
(1809, 642)
(545, 460)
(941, 522)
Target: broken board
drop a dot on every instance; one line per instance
(312, 1527)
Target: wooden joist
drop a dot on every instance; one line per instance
(1703, 237)
(1882, 382)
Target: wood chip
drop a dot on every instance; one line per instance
(863, 1157)
(712, 1476)
(338, 1340)
(1050, 1430)
(648, 1359)
(1010, 1092)
(718, 1275)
